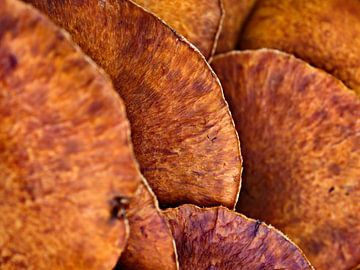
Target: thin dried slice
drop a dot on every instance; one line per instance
(236, 13)
(217, 238)
(66, 158)
(323, 33)
(300, 134)
(151, 245)
(182, 130)
(197, 20)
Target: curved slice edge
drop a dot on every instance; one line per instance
(198, 21)
(54, 101)
(184, 138)
(302, 121)
(151, 245)
(219, 238)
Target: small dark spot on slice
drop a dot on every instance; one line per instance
(315, 246)
(7, 23)
(334, 169)
(143, 231)
(211, 139)
(118, 206)
(256, 227)
(8, 63)
(200, 86)
(197, 173)
(331, 189)
(95, 107)
(13, 62)
(305, 83)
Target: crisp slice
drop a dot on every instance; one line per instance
(151, 245)
(236, 13)
(300, 134)
(182, 131)
(323, 33)
(217, 238)
(66, 160)
(197, 20)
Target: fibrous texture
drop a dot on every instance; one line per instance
(323, 33)
(151, 245)
(300, 135)
(183, 135)
(197, 20)
(66, 161)
(217, 238)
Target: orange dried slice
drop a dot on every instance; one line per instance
(300, 135)
(323, 33)
(197, 20)
(151, 245)
(183, 134)
(217, 238)
(66, 161)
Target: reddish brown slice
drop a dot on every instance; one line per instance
(197, 20)
(151, 245)
(217, 238)
(236, 13)
(183, 134)
(323, 33)
(66, 158)
(300, 134)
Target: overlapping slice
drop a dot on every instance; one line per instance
(324, 33)
(66, 159)
(300, 135)
(197, 20)
(236, 12)
(150, 245)
(182, 131)
(217, 238)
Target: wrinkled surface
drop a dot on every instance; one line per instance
(183, 135)
(197, 20)
(151, 245)
(323, 33)
(65, 151)
(217, 238)
(236, 13)
(300, 135)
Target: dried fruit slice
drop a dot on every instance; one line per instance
(300, 135)
(236, 12)
(182, 130)
(197, 20)
(66, 158)
(151, 245)
(217, 238)
(324, 33)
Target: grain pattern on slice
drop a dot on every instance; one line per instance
(300, 135)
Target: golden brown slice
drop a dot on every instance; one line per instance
(324, 33)
(66, 160)
(151, 245)
(236, 13)
(197, 20)
(217, 238)
(182, 131)
(300, 134)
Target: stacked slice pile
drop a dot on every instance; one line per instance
(120, 143)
